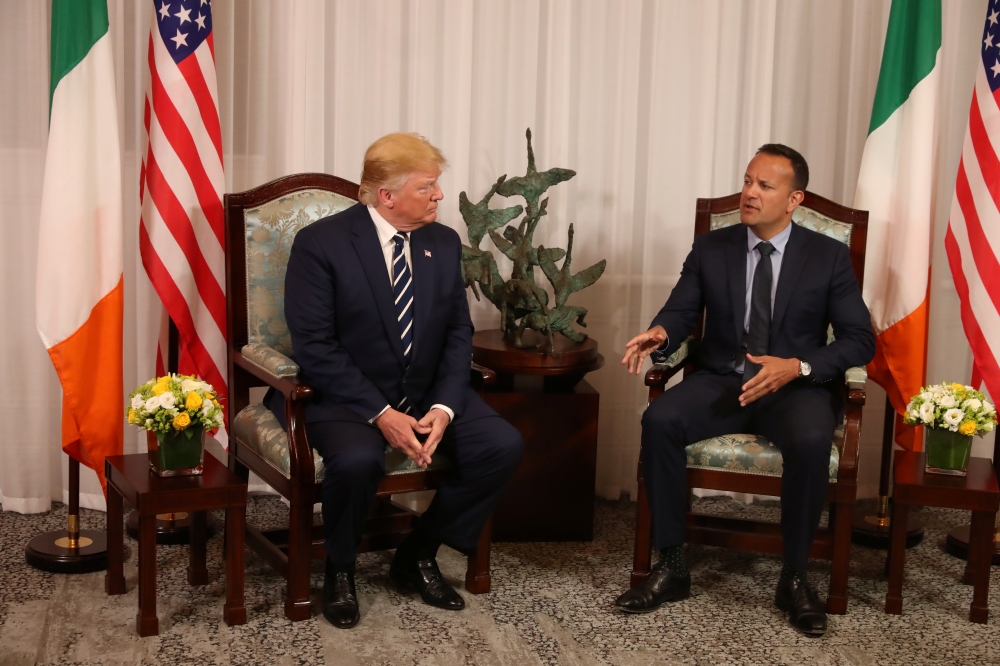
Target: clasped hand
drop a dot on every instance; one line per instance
(401, 431)
(774, 373)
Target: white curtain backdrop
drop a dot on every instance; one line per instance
(653, 102)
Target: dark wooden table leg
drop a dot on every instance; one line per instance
(981, 542)
(197, 570)
(234, 612)
(145, 622)
(114, 579)
(897, 561)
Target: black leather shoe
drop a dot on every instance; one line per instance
(660, 586)
(340, 599)
(805, 612)
(425, 577)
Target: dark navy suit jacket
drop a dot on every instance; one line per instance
(816, 288)
(341, 314)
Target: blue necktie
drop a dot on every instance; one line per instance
(402, 291)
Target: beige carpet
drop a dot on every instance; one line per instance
(550, 604)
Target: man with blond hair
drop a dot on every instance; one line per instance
(377, 310)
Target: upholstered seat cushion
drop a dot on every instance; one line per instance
(256, 428)
(749, 454)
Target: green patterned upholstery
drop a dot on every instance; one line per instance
(256, 428)
(273, 361)
(802, 216)
(750, 454)
(270, 229)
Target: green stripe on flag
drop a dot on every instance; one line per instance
(912, 41)
(76, 26)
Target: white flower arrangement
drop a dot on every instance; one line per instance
(174, 403)
(952, 407)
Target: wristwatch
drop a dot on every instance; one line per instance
(804, 368)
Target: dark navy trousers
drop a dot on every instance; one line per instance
(799, 419)
(486, 451)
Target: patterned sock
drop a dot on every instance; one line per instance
(788, 571)
(673, 557)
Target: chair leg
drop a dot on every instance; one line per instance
(477, 575)
(840, 529)
(297, 604)
(641, 558)
(242, 472)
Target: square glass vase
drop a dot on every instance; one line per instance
(176, 453)
(946, 452)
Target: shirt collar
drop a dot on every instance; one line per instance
(779, 242)
(384, 230)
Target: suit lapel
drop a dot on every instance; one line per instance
(366, 244)
(796, 254)
(422, 266)
(736, 267)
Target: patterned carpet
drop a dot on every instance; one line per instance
(551, 604)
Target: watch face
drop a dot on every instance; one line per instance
(805, 369)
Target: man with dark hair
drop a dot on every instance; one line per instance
(779, 381)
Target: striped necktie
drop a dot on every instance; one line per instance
(402, 291)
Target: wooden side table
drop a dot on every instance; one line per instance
(977, 492)
(130, 478)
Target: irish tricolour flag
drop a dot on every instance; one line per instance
(79, 282)
(896, 187)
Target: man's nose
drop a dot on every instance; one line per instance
(438, 194)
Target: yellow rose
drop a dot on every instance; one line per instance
(131, 416)
(182, 421)
(160, 388)
(967, 428)
(957, 386)
(193, 401)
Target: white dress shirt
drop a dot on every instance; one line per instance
(753, 258)
(385, 233)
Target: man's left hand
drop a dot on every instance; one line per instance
(774, 373)
(433, 425)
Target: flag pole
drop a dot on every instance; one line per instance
(73, 550)
(872, 530)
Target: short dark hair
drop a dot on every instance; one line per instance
(799, 166)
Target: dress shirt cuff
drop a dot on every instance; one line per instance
(446, 410)
(375, 418)
(659, 355)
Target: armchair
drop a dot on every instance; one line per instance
(260, 226)
(751, 464)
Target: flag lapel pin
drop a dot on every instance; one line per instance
(427, 253)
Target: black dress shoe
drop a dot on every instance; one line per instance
(805, 612)
(660, 586)
(425, 577)
(340, 599)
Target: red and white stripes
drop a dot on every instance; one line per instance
(181, 236)
(973, 237)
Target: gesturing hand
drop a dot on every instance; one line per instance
(641, 346)
(399, 430)
(774, 373)
(433, 425)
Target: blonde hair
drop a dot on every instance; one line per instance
(390, 161)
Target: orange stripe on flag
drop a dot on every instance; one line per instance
(900, 367)
(89, 364)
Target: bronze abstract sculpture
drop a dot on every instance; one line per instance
(522, 303)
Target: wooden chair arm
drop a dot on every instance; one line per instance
(292, 387)
(854, 386)
(658, 376)
(481, 376)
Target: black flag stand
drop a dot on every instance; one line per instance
(873, 530)
(171, 528)
(69, 551)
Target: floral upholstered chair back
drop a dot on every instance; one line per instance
(270, 230)
(802, 216)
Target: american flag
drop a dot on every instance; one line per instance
(181, 235)
(973, 237)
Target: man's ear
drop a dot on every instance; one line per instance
(794, 199)
(385, 197)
